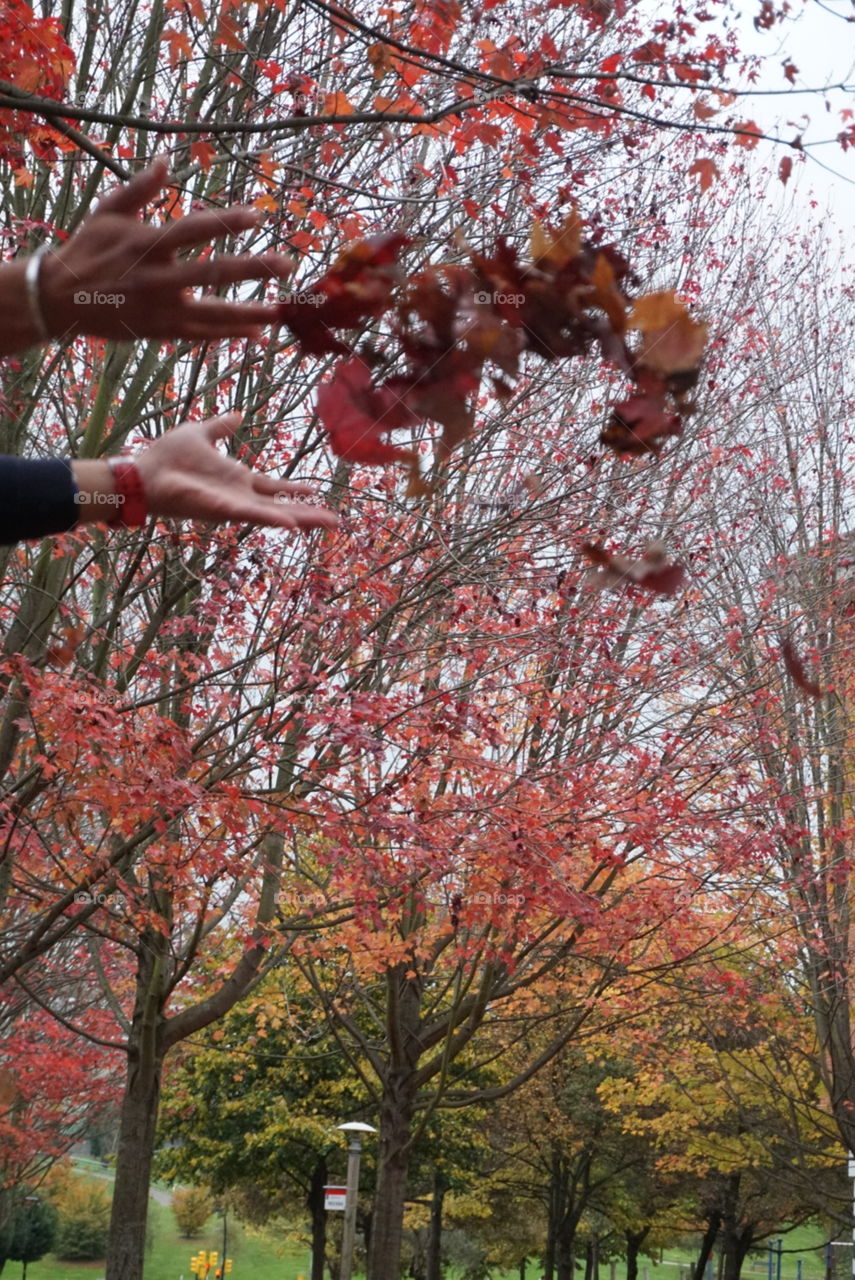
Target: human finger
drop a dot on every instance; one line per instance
(214, 429)
(288, 515)
(220, 502)
(219, 270)
(197, 228)
(136, 194)
(204, 331)
(291, 488)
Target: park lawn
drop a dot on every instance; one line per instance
(168, 1256)
(257, 1258)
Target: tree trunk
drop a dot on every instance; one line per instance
(397, 1108)
(737, 1236)
(554, 1213)
(316, 1208)
(634, 1241)
(707, 1245)
(568, 1225)
(387, 1226)
(433, 1270)
(138, 1120)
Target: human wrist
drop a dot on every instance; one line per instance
(131, 505)
(96, 497)
(18, 328)
(32, 287)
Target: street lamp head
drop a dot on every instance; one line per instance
(357, 1126)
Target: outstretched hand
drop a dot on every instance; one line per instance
(184, 474)
(118, 277)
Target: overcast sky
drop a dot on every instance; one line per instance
(821, 44)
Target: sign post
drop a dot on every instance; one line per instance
(354, 1129)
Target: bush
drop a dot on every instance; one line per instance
(84, 1219)
(192, 1207)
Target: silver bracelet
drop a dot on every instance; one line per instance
(31, 279)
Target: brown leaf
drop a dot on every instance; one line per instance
(673, 342)
(556, 247)
(380, 57)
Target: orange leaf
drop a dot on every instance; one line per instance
(380, 57)
(706, 171)
(204, 152)
(267, 203)
(179, 45)
(337, 104)
(606, 295)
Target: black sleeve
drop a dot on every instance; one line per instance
(37, 497)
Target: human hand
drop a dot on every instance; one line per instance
(118, 277)
(184, 475)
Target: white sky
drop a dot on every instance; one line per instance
(822, 45)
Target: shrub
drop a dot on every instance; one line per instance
(192, 1207)
(84, 1219)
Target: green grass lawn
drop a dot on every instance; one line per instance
(168, 1256)
(257, 1258)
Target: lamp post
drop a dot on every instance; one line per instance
(355, 1128)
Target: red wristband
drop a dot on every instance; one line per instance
(130, 496)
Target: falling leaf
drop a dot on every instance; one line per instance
(706, 170)
(337, 104)
(673, 342)
(796, 671)
(651, 571)
(356, 414)
(380, 58)
(748, 134)
(62, 652)
(639, 425)
(556, 247)
(703, 111)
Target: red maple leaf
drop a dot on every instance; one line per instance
(356, 414)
